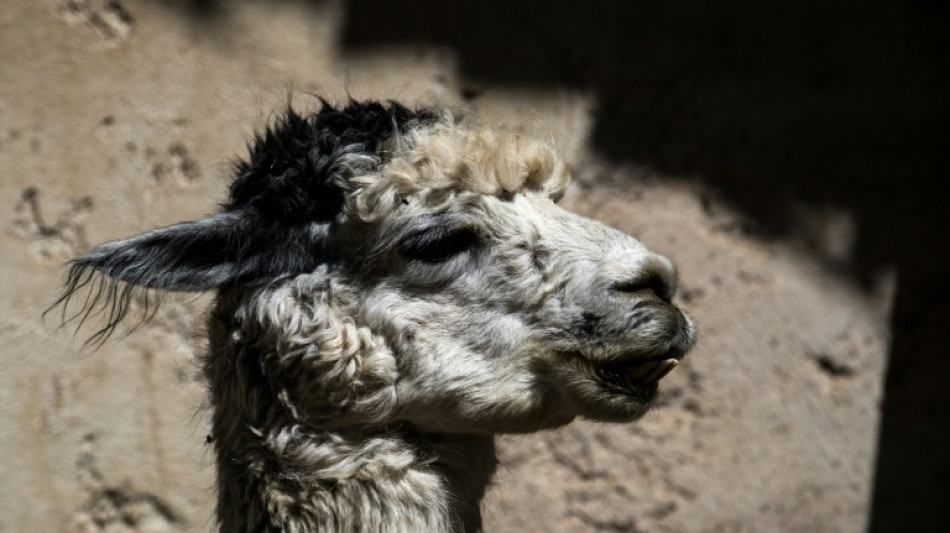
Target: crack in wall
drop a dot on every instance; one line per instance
(118, 508)
(109, 18)
(52, 243)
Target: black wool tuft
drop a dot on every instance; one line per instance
(286, 175)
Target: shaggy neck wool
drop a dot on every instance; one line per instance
(301, 456)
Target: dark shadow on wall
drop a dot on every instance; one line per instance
(776, 106)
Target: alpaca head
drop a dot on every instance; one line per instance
(377, 265)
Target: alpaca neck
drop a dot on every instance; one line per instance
(296, 450)
(360, 480)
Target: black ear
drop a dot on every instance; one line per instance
(230, 248)
(189, 256)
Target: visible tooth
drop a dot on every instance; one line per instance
(641, 370)
(662, 370)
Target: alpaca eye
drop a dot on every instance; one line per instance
(435, 245)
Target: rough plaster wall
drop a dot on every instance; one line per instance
(118, 116)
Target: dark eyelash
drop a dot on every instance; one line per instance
(437, 244)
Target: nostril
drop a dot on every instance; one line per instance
(652, 282)
(651, 274)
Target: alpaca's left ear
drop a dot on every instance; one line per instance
(231, 248)
(225, 249)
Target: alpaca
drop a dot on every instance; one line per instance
(395, 287)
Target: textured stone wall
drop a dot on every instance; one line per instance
(121, 115)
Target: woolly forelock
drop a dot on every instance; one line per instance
(438, 159)
(370, 156)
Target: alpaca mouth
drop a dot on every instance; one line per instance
(635, 376)
(642, 372)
